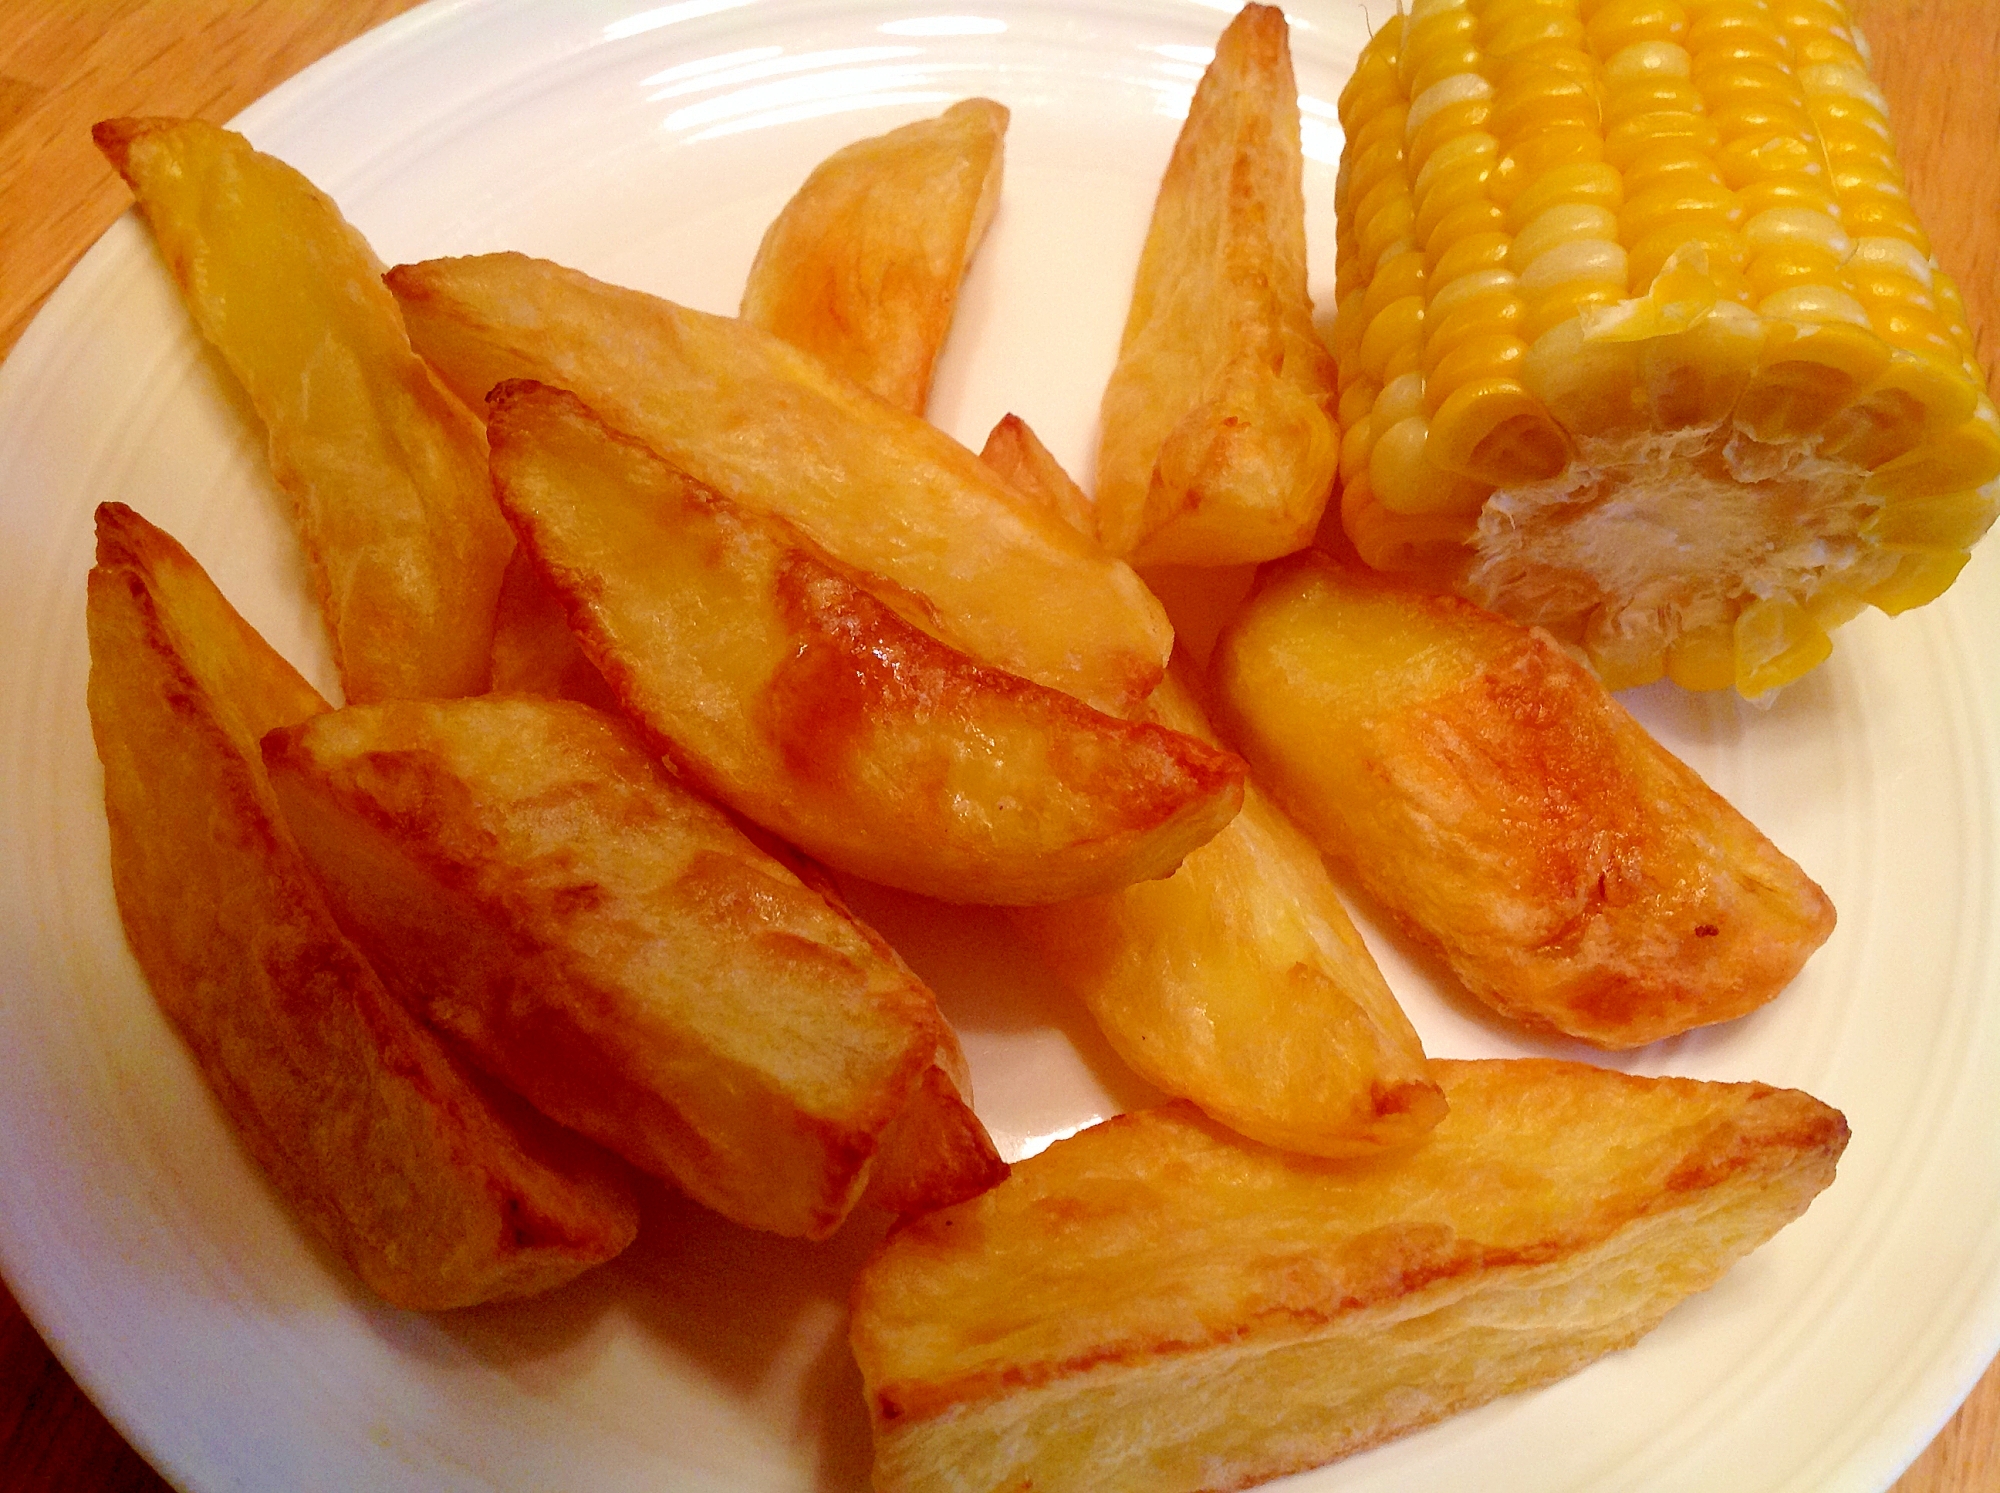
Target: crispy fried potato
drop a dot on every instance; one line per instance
(529, 879)
(1156, 1305)
(936, 1152)
(1240, 983)
(436, 1191)
(753, 417)
(782, 688)
(534, 652)
(862, 267)
(1490, 794)
(385, 468)
(1219, 443)
(1017, 453)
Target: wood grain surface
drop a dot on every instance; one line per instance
(66, 63)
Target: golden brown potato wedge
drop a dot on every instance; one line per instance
(1017, 453)
(782, 688)
(1156, 1305)
(862, 267)
(1490, 794)
(437, 1191)
(385, 468)
(1239, 982)
(534, 652)
(1219, 443)
(529, 879)
(936, 1152)
(751, 416)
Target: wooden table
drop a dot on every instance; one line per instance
(67, 63)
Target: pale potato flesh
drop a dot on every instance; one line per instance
(1157, 1305)
(862, 267)
(385, 467)
(1014, 451)
(436, 1190)
(1240, 982)
(529, 879)
(751, 416)
(782, 688)
(1218, 442)
(1490, 794)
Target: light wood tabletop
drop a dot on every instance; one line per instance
(67, 63)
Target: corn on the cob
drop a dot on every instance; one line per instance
(1638, 338)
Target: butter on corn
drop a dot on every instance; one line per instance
(1638, 337)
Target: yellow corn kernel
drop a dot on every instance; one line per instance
(1406, 480)
(1968, 455)
(1953, 521)
(1920, 578)
(1818, 352)
(1914, 397)
(1704, 658)
(1777, 640)
(1396, 324)
(1400, 543)
(1495, 432)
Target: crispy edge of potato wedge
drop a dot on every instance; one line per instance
(1218, 441)
(533, 882)
(436, 1191)
(862, 267)
(385, 467)
(748, 414)
(1157, 1305)
(937, 1152)
(1486, 790)
(780, 686)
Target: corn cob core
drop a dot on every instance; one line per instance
(1638, 338)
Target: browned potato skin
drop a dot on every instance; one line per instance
(778, 432)
(1504, 808)
(862, 267)
(385, 468)
(780, 687)
(1157, 1305)
(1219, 442)
(610, 946)
(435, 1190)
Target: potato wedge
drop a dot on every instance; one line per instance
(435, 1190)
(534, 652)
(385, 468)
(753, 417)
(1156, 1305)
(1239, 982)
(862, 267)
(529, 879)
(1219, 443)
(1014, 451)
(1489, 793)
(783, 689)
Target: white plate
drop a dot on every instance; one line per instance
(650, 148)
